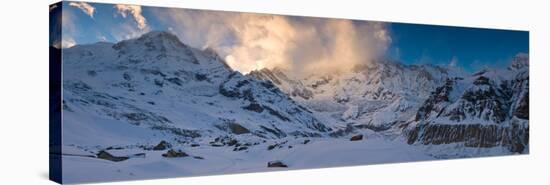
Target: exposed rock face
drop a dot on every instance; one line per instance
(522, 109)
(173, 154)
(233, 127)
(515, 138)
(238, 129)
(254, 107)
(163, 145)
(356, 138)
(520, 87)
(272, 164)
(240, 148)
(438, 99)
(107, 156)
(484, 100)
(488, 109)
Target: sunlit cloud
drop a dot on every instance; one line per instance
(69, 29)
(254, 41)
(249, 41)
(85, 7)
(67, 42)
(135, 12)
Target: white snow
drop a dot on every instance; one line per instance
(222, 160)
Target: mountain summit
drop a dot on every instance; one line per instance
(155, 83)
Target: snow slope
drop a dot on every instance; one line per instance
(222, 160)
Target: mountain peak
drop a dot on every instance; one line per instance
(520, 61)
(159, 35)
(155, 46)
(154, 40)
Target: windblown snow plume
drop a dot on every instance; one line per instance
(85, 7)
(298, 44)
(135, 12)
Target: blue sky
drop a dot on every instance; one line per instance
(469, 48)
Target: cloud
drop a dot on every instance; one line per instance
(298, 44)
(102, 38)
(85, 7)
(68, 28)
(67, 42)
(336, 45)
(102, 30)
(68, 22)
(126, 31)
(453, 62)
(135, 12)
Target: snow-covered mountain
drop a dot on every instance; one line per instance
(486, 109)
(155, 82)
(388, 95)
(376, 95)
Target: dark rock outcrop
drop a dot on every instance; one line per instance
(356, 138)
(107, 156)
(198, 157)
(438, 97)
(492, 110)
(254, 107)
(163, 145)
(514, 137)
(240, 148)
(173, 154)
(232, 127)
(522, 109)
(272, 164)
(238, 129)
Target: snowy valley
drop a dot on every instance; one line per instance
(155, 107)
